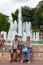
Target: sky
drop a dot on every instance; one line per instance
(9, 6)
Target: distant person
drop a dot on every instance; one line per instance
(20, 39)
(14, 48)
(27, 50)
(2, 41)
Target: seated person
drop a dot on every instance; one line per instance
(27, 55)
(14, 48)
(2, 41)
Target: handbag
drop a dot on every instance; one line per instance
(25, 50)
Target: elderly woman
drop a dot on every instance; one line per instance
(27, 55)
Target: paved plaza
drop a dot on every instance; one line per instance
(14, 63)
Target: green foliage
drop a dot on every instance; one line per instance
(26, 14)
(35, 30)
(15, 15)
(38, 15)
(4, 24)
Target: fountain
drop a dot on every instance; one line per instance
(24, 36)
(24, 29)
(20, 23)
(34, 36)
(37, 36)
(12, 31)
(28, 29)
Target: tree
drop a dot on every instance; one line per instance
(38, 15)
(4, 24)
(40, 12)
(26, 14)
(15, 15)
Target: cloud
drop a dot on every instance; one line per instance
(19, 1)
(4, 1)
(33, 3)
(8, 6)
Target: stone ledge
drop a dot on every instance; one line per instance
(38, 56)
(37, 53)
(5, 56)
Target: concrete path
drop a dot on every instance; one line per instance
(15, 63)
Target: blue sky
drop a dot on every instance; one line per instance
(9, 6)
